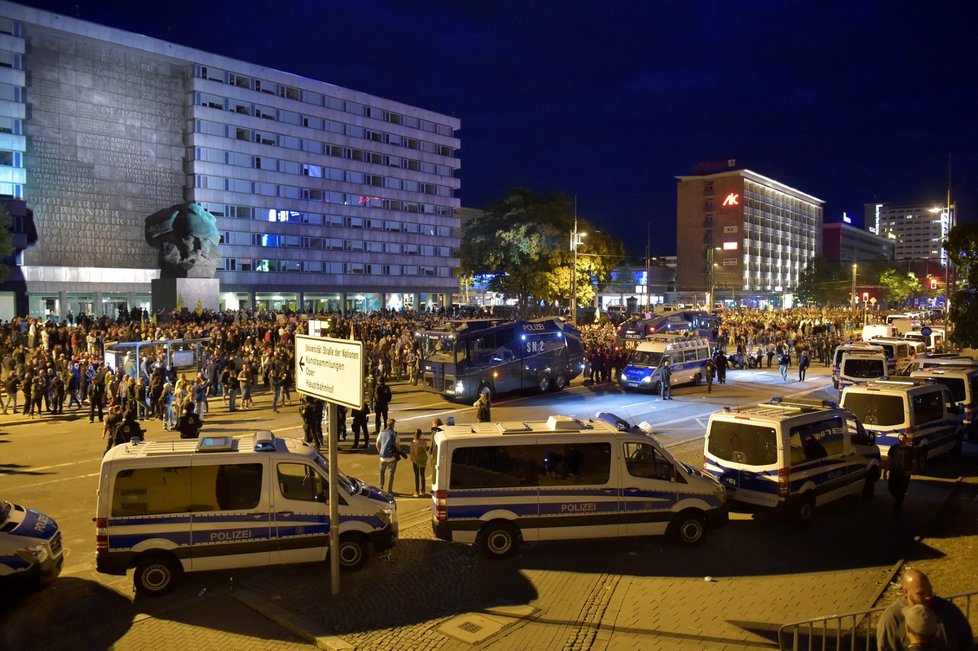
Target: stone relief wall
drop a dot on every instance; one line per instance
(104, 149)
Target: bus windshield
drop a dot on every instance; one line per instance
(437, 345)
(648, 358)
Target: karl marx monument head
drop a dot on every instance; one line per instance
(187, 238)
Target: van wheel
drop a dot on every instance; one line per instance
(543, 382)
(697, 380)
(353, 551)
(688, 528)
(805, 510)
(922, 459)
(869, 488)
(958, 443)
(499, 539)
(560, 381)
(155, 575)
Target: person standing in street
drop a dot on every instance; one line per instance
(389, 450)
(711, 370)
(419, 461)
(803, 363)
(361, 424)
(950, 629)
(721, 361)
(665, 381)
(783, 361)
(189, 423)
(483, 406)
(900, 463)
(382, 401)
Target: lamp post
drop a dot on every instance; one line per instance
(575, 242)
(852, 300)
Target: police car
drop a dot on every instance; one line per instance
(30, 544)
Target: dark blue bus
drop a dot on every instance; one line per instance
(458, 361)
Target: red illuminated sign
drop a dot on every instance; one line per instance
(733, 199)
(933, 283)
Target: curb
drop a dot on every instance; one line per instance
(299, 626)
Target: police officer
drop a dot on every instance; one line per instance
(665, 381)
(900, 461)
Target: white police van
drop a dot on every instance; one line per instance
(861, 366)
(686, 356)
(922, 411)
(30, 545)
(842, 349)
(962, 382)
(899, 352)
(497, 484)
(223, 502)
(790, 456)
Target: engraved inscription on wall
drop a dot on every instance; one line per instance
(104, 148)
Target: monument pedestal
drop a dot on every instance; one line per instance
(169, 292)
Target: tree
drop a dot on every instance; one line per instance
(523, 242)
(899, 287)
(962, 249)
(6, 241)
(824, 282)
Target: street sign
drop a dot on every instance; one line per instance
(330, 369)
(926, 331)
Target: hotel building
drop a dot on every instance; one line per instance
(325, 197)
(743, 235)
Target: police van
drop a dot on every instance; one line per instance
(790, 456)
(938, 361)
(922, 411)
(842, 349)
(498, 484)
(686, 356)
(899, 352)
(216, 503)
(962, 382)
(861, 366)
(30, 545)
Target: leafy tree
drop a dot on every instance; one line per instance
(899, 287)
(824, 282)
(524, 242)
(6, 241)
(962, 248)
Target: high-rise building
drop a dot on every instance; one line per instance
(325, 197)
(744, 235)
(917, 230)
(842, 242)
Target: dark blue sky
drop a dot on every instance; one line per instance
(850, 101)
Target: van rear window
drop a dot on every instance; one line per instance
(742, 442)
(542, 464)
(185, 489)
(873, 408)
(955, 385)
(864, 368)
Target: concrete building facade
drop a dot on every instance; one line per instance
(844, 243)
(325, 197)
(743, 235)
(916, 230)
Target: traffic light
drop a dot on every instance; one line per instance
(933, 283)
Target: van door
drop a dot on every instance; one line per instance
(579, 496)
(230, 524)
(649, 489)
(300, 508)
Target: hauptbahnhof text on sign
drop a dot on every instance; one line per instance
(330, 369)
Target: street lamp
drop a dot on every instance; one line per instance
(576, 238)
(852, 300)
(947, 214)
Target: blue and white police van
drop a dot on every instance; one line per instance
(790, 456)
(30, 545)
(922, 411)
(499, 484)
(686, 356)
(169, 507)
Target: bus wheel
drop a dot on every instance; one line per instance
(560, 381)
(689, 528)
(499, 539)
(155, 575)
(543, 383)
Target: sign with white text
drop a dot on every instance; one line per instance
(330, 369)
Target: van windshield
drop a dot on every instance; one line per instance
(874, 408)
(864, 368)
(742, 442)
(344, 482)
(4, 511)
(645, 358)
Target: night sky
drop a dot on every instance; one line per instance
(852, 101)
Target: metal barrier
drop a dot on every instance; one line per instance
(855, 630)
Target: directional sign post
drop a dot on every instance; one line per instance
(926, 331)
(331, 370)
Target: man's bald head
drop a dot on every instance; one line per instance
(916, 586)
